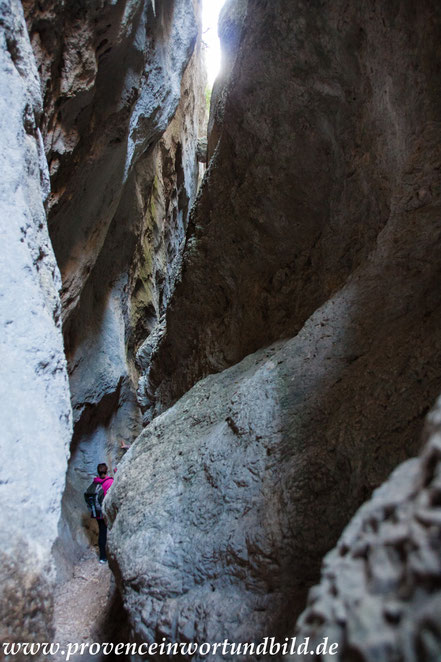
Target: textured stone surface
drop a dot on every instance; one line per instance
(319, 218)
(101, 616)
(325, 141)
(111, 77)
(379, 597)
(239, 489)
(34, 394)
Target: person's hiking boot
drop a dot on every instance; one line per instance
(103, 560)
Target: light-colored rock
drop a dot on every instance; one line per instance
(34, 393)
(379, 597)
(111, 77)
(173, 194)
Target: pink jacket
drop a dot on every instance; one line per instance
(105, 482)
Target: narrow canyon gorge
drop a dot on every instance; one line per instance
(232, 297)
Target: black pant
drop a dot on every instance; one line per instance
(102, 538)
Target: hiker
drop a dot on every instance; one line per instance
(105, 481)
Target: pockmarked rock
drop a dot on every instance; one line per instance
(379, 596)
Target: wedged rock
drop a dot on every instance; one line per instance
(34, 392)
(324, 142)
(225, 505)
(379, 597)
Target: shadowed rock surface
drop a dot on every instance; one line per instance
(34, 391)
(330, 133)
(123, 303)
(100, 619)
(231, 21)
(281, 343)
(379, 596)
(111, 78)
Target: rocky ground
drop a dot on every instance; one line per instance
(88, 609)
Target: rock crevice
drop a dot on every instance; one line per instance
(270, 344)
(124, 106)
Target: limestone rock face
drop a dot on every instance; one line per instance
(286, 362)
(325, 142)
(379, 596)
(111, 78)
(34, 392)
(320, 219)
(223, 508)
(122, 307)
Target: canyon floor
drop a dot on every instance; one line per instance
(84, 606)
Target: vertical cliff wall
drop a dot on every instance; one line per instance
(111, 77)
(231, 23)
(280, 343)
(34, 392)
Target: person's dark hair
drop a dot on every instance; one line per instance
(102, 469)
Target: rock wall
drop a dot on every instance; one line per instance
(286, 361)
(111, 77)
(34, 392)
(123, 109)
(324, 142)
(379, 596)
(319, 220)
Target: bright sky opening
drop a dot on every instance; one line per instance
(210, 15)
